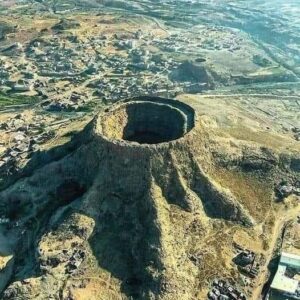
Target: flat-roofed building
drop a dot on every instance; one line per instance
(284, 286)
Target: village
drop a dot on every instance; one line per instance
(57, 70)
(106, 66)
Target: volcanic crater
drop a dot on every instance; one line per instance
(148, 122)
(138, 183)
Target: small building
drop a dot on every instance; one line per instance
(286, 284)
(22, 86)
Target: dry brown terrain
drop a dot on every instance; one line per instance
(124, 220)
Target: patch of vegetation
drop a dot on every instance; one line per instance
(5, 29)
(261, 61)
(88, 107)
(66, 24)
(8, 100)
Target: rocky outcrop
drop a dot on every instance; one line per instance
(195, 73)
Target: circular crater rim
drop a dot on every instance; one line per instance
(146, 122)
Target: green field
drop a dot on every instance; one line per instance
(8, 100)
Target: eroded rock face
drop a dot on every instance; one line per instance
(126, 203)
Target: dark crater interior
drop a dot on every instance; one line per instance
(147, 122)
(150, 123)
